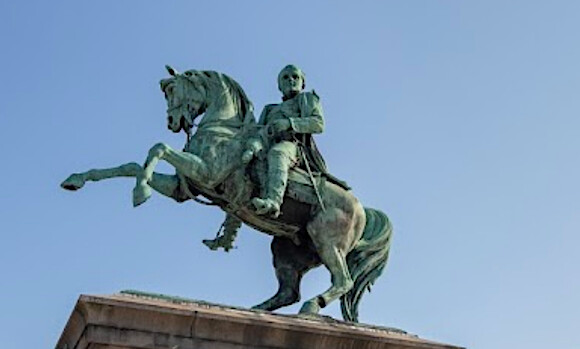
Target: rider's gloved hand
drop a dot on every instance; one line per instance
(280, 125)
(247, 156)
(253, 147)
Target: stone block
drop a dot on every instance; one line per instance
(149, 321)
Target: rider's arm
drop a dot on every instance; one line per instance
(311, 119)
(256, 144)
(264, 116)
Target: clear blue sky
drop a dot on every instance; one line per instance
(459, 119)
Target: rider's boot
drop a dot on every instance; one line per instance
(229, 231)
(270, 205)
(279, 162)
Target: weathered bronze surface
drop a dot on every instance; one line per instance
(268, 175)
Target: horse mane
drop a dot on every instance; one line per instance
(243, 104)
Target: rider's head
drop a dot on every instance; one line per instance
(291, 81)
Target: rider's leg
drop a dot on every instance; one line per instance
(281, 157)
(225, 240)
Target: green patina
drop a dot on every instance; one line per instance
(269, 175)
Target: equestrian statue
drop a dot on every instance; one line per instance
(268, 175)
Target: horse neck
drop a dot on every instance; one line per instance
(220, 107)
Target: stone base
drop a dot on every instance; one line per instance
(134, 320)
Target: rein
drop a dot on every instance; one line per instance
(195, 198)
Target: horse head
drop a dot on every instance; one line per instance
(186, 97)
(194, 92)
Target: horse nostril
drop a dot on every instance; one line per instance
(170, 119)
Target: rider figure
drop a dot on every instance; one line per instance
(289, 126)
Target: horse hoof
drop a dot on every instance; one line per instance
(259, 307)
(140, 195)
(73, 182)
(310, 307)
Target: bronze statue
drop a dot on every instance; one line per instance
(268, 175)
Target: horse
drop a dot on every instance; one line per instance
(333, 230)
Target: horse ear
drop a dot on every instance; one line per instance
(163, 84)
(171, 71)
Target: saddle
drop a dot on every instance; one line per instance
(235, 193)
(300, 186)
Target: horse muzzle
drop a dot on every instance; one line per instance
(175, 124)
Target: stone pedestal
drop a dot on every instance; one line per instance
(133, 320)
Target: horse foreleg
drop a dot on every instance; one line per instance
(162, 183)
(191, 166)
(166, 185)
(77, 180)
(188, 164)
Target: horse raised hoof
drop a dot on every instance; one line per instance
(310, 307)
(73, 182)
(141, 193)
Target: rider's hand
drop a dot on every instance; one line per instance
(280, 125)
(247, 156)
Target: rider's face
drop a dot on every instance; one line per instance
(291, 82)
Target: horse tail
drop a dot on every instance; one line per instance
(367, 260)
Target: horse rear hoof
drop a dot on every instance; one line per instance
(310, 307)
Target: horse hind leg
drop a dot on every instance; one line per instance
(291, 263)
(329, 232)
